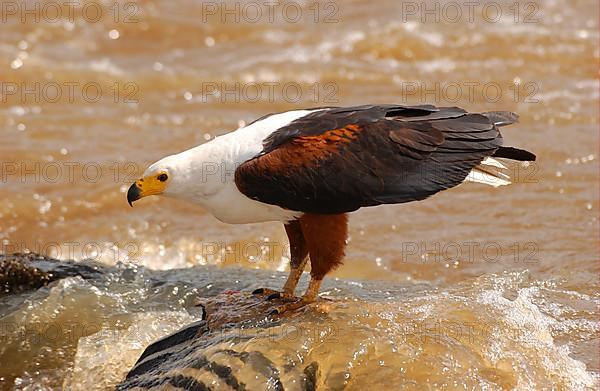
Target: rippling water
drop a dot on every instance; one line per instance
(157, 77)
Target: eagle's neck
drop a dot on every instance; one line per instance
(206, 173)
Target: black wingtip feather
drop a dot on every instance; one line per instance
(515, 154)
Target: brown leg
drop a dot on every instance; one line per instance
(325, 237)
(298, 256)
(298, 259)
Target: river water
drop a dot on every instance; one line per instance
(94, 92)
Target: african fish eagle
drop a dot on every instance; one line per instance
(309, 168)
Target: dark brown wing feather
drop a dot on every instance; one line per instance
(340, 159)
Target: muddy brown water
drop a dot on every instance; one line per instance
(89, 100)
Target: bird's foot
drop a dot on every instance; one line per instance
(295, 304)
(272, 294)
(264, 292)
(283, 296)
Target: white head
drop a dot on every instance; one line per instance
(168, 176)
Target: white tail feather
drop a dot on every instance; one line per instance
(489, 172)
(493, 162)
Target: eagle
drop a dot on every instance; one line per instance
(309, 168)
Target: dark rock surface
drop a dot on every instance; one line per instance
(164, 363)
(22, 272)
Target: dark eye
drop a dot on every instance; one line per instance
(162, 177)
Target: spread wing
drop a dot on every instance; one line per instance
(337, 160)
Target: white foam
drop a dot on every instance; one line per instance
(103, 359)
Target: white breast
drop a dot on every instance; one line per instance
(210, 169)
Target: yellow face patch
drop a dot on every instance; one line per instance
(146, 186)
(152, 185)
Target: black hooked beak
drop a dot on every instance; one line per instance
(133, 194)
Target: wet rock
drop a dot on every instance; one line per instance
(22, 272)
(194, 358)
